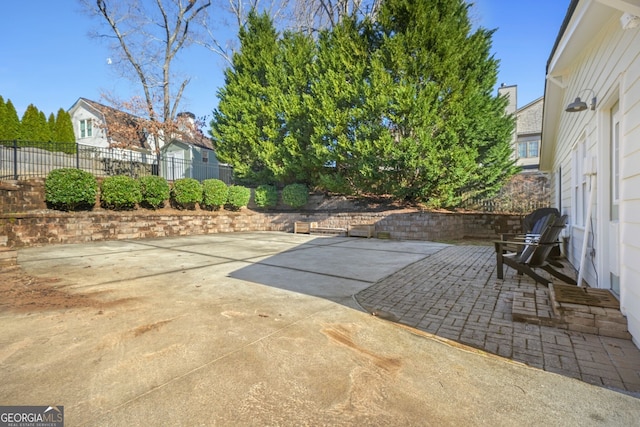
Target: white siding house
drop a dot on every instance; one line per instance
(186, 154)
(593, 154)
(87, 124)
(93, 125)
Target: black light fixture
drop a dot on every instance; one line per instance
(580, 105)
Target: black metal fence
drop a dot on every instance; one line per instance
(21, 159)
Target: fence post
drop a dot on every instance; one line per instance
(15, 159)
(131, 163)
(77, 156)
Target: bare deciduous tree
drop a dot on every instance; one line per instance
(147, 36)
(309, 16)
(126, 125)
(236, 18)
(312, 16)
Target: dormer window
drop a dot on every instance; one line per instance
(86, 128)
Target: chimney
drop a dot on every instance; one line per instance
(187, 116)
(186, 122)
(512, 93)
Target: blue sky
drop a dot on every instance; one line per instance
(48, 59)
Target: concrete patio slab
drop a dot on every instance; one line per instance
(247, 338)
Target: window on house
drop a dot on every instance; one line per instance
(579, 179)
(86, 128)
(528, 149)
(205, 156)
(522, 150)
(614, 177)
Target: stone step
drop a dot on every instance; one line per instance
(539, 307)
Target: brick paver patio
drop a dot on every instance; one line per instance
(455, 294)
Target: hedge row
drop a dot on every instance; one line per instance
(74, 189)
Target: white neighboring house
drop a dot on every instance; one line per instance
(91, 121)
(593, 150)
(85, 117)
(188, 153)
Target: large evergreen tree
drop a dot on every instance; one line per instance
(34, 126)
(450, 133)
(44, 130)
(289, 91)
(3, 114)
(245, 124)
(29, 124)
(63, 129)
(51, 126)
(402, 106)
(349, 98)
(10, 123)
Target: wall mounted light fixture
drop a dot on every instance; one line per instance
(629, 21)
(580, 105)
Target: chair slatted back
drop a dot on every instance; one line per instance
(530, 221)
(548, 239)
(531, 246)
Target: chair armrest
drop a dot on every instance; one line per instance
(504, 246)
(501, 243)
(520, 237)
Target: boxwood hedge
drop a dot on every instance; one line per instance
(120, 192)
(70, 189)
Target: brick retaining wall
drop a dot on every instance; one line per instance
(29, 229)
(22, 195)
(24, 221)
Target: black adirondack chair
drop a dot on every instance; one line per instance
(534, 252)
(532, 226)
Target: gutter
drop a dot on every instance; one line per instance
(563, 28)
(565, 23)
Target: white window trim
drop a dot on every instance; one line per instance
(579, 190)
(528, 143)
(86, 128)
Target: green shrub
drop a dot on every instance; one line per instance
(295, 195)
(214, 193)
(266, 196)
(70, 189)
(186, 192)
(238, 197)
(120, 192)
(155, 190)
